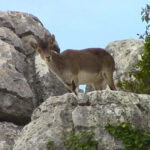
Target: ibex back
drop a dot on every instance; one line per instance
(74, 67)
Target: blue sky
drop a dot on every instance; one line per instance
(79, 24)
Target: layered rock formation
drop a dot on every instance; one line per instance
(25, 82)
(92, 111)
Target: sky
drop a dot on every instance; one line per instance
(79, 24)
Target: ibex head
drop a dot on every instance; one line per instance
(44, 47)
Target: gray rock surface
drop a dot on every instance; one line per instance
(10, 37)
(21, 23)
(22, 88)
(8, 132)
(86, 112)
(126, 54)
(15, 92)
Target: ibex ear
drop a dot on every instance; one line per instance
(33, 45)
(52, 38)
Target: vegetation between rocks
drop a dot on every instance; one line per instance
(50, 145)
(133, 139)
(76, 141)
(140, 77)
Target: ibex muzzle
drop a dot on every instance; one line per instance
(74, 67)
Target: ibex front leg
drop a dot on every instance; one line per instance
(72, 87)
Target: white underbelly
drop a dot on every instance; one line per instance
(88, 77)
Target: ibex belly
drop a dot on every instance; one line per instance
(88, 77)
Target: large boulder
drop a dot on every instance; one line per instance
(15, 93)
(93, 111)
(126, 54)
(22, 87)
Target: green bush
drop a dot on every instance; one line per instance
(133, 139)
(82, 141)
(141, 84)
(73, 141)
(50, 145)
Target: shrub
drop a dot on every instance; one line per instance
(83, 141)
(50, 145)
(133, 139)
(73, 141)
(141, 84)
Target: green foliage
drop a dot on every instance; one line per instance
(133, 139)
(82, 141)
(50, 145)
(73, 141)
(141, 84)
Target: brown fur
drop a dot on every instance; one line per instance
(75, 67)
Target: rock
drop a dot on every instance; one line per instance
(126, 54)
(21, 23)
(8, 132)
(22, 88)
(10, 37)
(24, 26)
(58, 114)
(11, 71)
(89, 88)
(15, 93)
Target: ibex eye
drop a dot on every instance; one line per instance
(48, 58)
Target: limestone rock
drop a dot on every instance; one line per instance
(21, 23)
(126, 54)
(16, 95)
(10, 37)
(22, 88)
(58, 114)
(8, 132)
(10, 66)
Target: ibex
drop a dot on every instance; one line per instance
(75, 67)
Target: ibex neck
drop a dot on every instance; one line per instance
(56, 63)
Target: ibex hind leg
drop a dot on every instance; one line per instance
(70, 86)
(74, 87)
(109, 80)
(98, 85)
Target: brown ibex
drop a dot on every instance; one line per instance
(74, 67)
